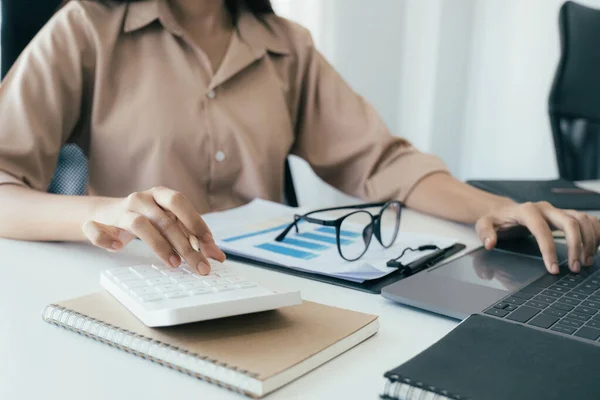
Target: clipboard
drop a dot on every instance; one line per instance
(372, 286)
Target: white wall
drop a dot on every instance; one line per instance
(467, 80)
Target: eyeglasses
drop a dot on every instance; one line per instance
(355, 230)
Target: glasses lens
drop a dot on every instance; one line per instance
(390, 223)
(355, 235)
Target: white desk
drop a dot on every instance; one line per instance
(38, 360)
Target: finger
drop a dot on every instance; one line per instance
(176, 234)
(531, 217)
(596, 226)
(183, 209)
(182, 245)
(570, 227)
(141, 226)
(107, 237)
(209, 251)
(486, 230)
(588, 236)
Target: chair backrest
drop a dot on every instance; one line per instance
(574, 103)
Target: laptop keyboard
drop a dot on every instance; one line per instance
(567, 303)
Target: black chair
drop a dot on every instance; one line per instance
(22, 19)
(574, 104)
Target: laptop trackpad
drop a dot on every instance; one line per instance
(467, 285)
(492, 269)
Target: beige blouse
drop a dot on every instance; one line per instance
(124, 82)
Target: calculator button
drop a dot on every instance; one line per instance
(183, 278)
(224, 274)
(149, 274)
(199, 291)
(163, 280)
(118, 271)
(143, 291)
(224, 288)
(173, 272)
(168, 288)
(191, 285)
(134, 284)
(176, 295)
(143, 268)
(160, 267)
(126, 278)
(247, 285)
(188, 268)
(235, 279)
(147, 298)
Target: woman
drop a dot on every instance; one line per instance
(190, 106)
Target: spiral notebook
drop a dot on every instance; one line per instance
(252, 354)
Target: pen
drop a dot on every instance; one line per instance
(426, 262)
(570, 191)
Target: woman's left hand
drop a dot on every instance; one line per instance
(582, 231)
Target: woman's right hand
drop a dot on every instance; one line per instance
(161, 217)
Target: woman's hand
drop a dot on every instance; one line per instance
(161, 217)
(582, 231)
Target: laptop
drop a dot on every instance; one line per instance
(510, 283)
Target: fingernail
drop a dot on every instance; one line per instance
(203, 268)
(174, 260)
(554, 268)
(576, 266)
(487, 242)
(194, 243)
(115, 245)
(590, 260)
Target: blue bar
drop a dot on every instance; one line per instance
(286, 251)
(331, 230)
(305, 244)
(325, 239)
(251, 234)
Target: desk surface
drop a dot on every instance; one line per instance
(38, 360)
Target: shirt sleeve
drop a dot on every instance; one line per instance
(41, 98)
(347, 143)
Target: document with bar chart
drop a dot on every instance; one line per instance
(250, 231)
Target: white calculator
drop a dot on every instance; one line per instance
(164, 296)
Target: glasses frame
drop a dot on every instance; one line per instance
(337, 223)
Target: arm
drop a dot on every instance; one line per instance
(446, 197)
(348, 145)
(495, 216)
(27, 214)
(40, 106)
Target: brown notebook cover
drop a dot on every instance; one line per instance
(252, 354)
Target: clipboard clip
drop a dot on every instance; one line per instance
(423, 263)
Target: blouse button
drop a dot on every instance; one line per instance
(219, 156)
(211, 94)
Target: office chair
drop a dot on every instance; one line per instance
(22, 19)
(574, 103)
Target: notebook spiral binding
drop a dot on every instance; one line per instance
(142, 346)
(401, 388)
